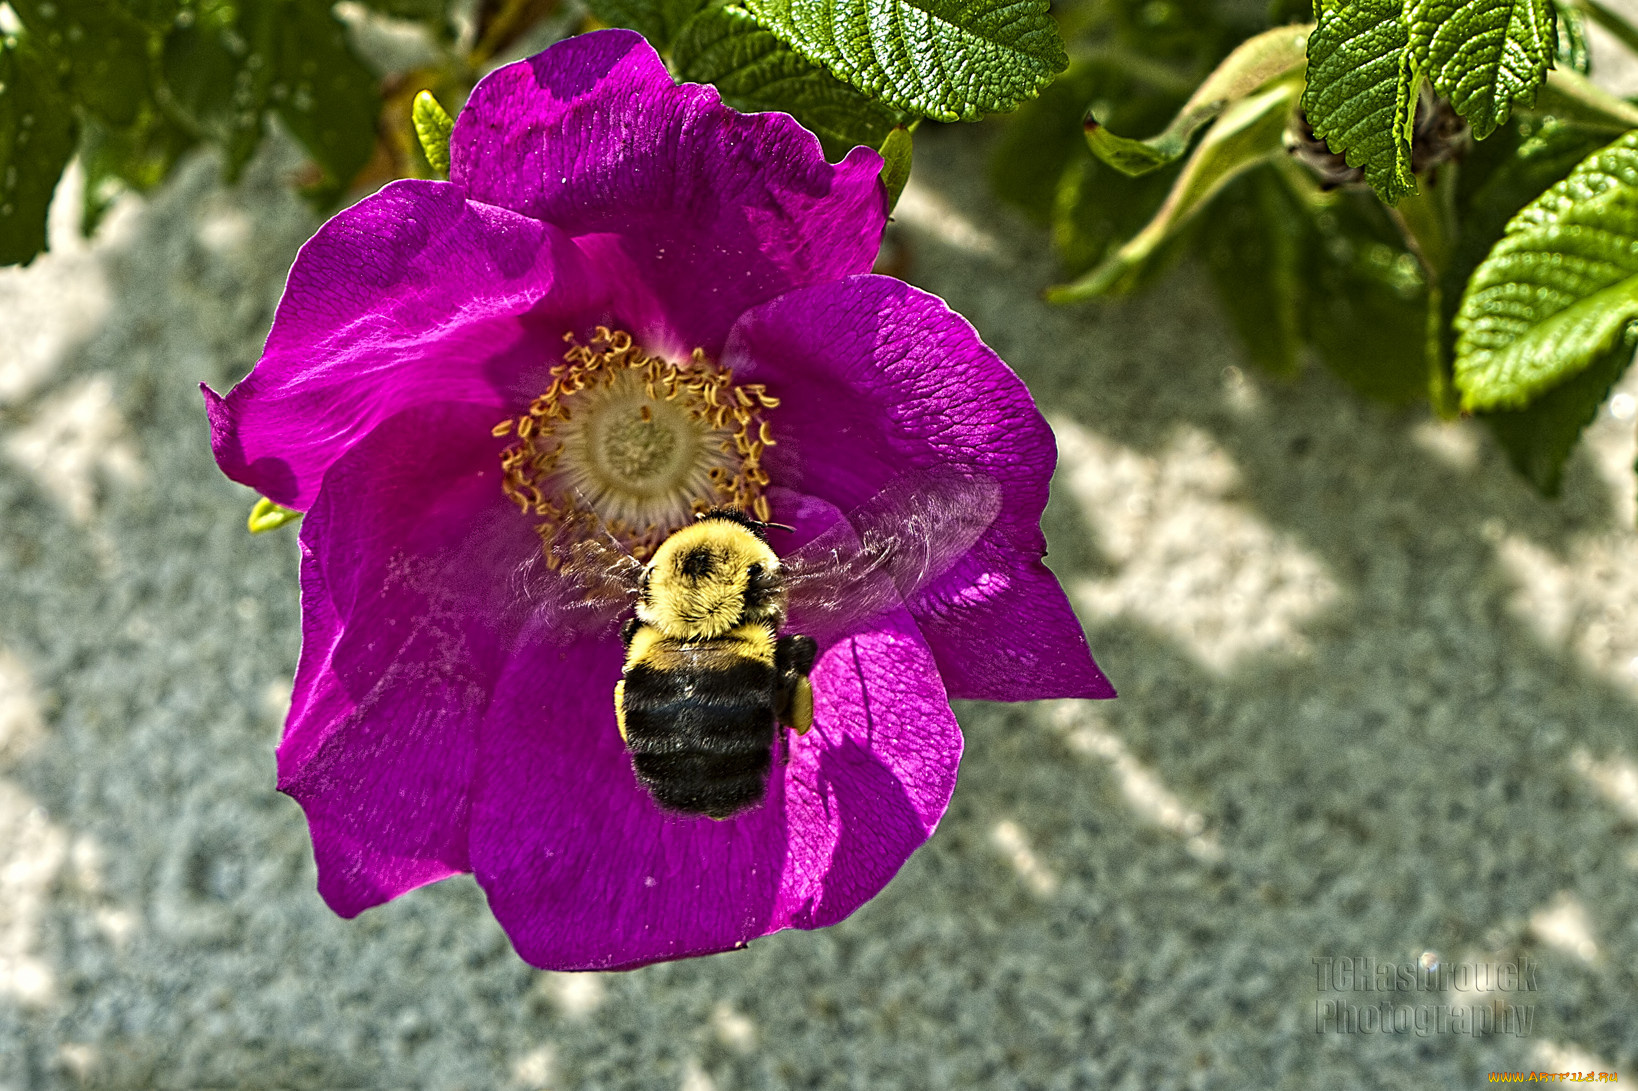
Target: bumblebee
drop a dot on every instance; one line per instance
(708, 680)
(707, 675)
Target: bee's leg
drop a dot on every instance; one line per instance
(793, 660)
(799, 710)
(795, 653)
(620, 707)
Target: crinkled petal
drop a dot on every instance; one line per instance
(708, 211)
(407, 618)
(584, 871)
(413, 295)
(878, 378)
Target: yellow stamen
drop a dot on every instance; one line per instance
(634, 445)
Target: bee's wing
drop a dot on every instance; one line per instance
(582, 590)
(886, 550)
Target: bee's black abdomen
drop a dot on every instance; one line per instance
(701, 731)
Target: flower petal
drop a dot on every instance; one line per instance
(584, 871)
(710, 210)
(414, 294)
(878, 378)
(406, 623)
(870, 782)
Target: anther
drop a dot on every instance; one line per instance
(630, 444)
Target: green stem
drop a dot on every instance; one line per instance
(1570, 96)
(1610, 21)
(1426, 220)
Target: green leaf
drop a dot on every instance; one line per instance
(325, 95)
(1539, 439)
(102, 52)
(1368, 311)
(755, 71)
(224, 103)
(1096, 208)
(1253, 64)
(1254, 246)
(1560, 288)
(226, 66)
(1362, 86)
(266, 516)
(660, 21)
(1290, 11)
(896, 154)
(1197, 33)
(37, 134)
(1531, 164)
(1248, 133)
(419, 11)
(432, 128)
(138, 156)
(1483, 55)
(953, 60)
(1044, 139)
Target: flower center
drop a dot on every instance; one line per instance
(635, 445)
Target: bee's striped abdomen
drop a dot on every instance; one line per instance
(699, 722)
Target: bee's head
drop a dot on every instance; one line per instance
(707, 578)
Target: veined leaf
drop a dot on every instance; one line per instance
(1248, 133)
(37, 134)
(1483, 55)
(1560, 288)
(896, 151)
(755, 71)
(1539, 438)
(432, 128)
(1362, 85)
(1255, 62)
(1531, 163)
(953, 60)
(266, 516)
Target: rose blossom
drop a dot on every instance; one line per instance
(629, 302)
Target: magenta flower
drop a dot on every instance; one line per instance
(627, 302)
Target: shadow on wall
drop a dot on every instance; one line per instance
(1375, 702)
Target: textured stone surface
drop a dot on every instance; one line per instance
(1377, 699)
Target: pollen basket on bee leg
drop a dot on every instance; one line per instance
(635, 445)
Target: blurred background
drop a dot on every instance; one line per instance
(1378, 701)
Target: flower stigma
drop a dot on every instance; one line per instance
(635, 445)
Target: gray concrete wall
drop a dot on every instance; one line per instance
(1378, 699)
